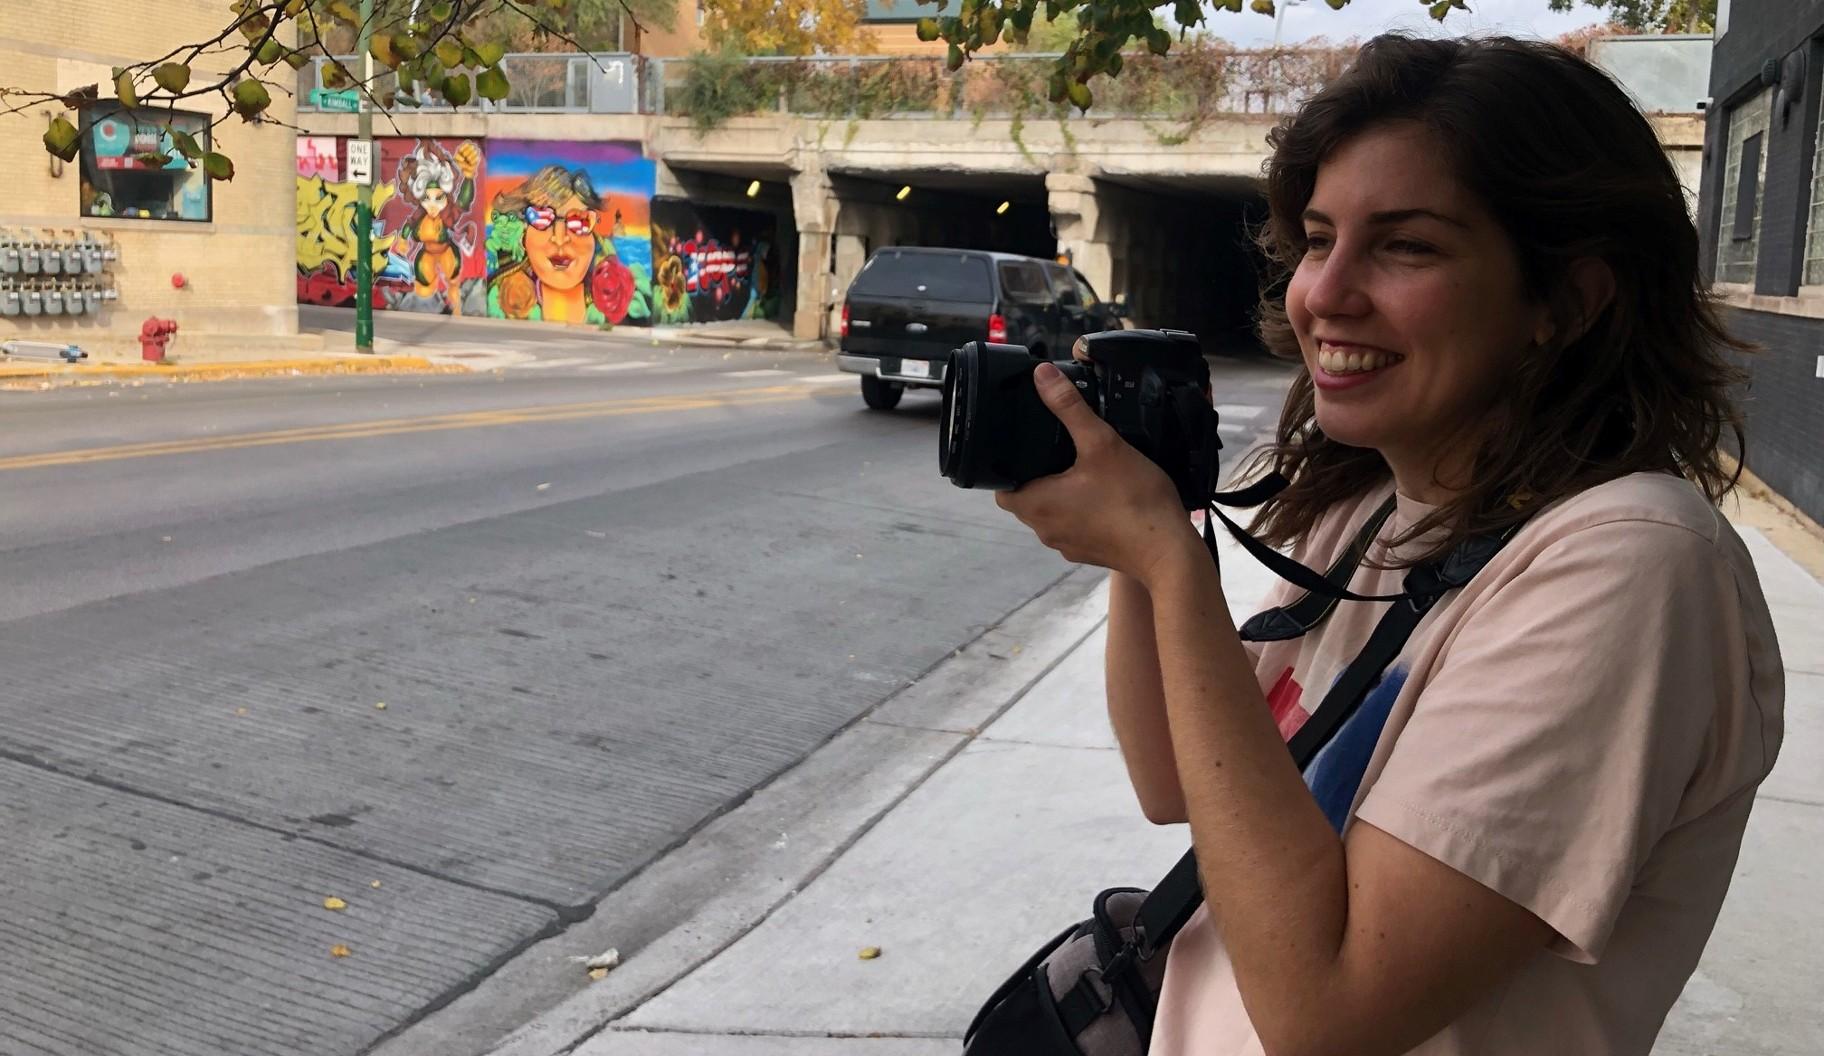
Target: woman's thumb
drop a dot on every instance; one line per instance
(1064, 401)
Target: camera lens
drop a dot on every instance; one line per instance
(996, 433)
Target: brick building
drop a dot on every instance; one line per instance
(230, 242)
(1762, 222)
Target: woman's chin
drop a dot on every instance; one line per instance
(1351, 427)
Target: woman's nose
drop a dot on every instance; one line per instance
(1339, 290)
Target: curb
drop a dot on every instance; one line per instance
(103, 372)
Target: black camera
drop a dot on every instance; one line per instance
(1152, 386)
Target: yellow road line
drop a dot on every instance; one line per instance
(400, 426)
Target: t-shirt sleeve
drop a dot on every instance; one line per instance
(1551, 746)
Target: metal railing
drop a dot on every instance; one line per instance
(1189, 81)
(537, 83)
(1193, 81)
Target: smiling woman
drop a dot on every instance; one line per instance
(1517, 838)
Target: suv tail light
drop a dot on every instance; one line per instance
(845, 319)
(997, 328)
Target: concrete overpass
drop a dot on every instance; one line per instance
(1163, 220)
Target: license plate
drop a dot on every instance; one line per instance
(915, 368)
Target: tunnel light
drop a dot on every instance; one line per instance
(753, 189)
(903, 192)
(1002, 208)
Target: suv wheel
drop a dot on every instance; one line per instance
(880, 394)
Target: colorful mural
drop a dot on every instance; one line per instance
(428, 239)
(713, 263)
(569, 233)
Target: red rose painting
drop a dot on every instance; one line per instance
(612, 288)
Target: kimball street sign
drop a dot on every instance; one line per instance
(345, 102)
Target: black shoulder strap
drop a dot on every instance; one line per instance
(1287, 569)
(1170, 904)
(1296, 619)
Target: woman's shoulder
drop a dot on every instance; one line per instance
(1650, 500)
(1650, 529)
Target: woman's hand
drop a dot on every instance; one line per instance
(1113, 507)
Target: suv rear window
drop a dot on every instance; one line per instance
(1024, 282)
(938, 276)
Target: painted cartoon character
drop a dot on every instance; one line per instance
(440, 187)
(565, 270)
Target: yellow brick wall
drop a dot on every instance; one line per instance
(239, 267)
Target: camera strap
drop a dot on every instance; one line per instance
(1326, 586)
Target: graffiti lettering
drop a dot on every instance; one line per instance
(326, 236)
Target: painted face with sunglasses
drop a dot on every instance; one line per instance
(560, 242)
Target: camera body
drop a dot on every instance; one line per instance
(1151, 386)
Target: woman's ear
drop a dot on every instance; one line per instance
(1589, 288)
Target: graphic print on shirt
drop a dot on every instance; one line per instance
(1283, 698)
(1337, 771)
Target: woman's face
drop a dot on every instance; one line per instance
(434, 200)
(560, 242)
(1408, 305)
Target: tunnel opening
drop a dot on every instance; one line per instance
(711, 217)
(991, 211)
(1182, 251)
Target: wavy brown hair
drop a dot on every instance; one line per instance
(1560, 156)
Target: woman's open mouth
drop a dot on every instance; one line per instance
(1341, 365)
(560, 262)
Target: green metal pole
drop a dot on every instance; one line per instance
(364, 197)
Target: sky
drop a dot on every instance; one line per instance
(1365, 18)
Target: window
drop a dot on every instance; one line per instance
(1814, 227)
(1068, 294)
(1024, 283)
(926, 276)
(1743, 168)
(131, 168)
(1089, 292)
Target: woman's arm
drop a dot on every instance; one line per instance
(1136, 701)
(1363, 946)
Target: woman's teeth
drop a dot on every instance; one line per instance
(1354, 361)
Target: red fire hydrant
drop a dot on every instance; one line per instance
(153, 334)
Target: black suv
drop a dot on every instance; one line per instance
(910, 306)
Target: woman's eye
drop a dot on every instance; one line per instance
(1407, 245)
(1317, 243)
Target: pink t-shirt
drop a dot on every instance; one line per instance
(1581, 729)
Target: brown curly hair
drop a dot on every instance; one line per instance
(1571, 170)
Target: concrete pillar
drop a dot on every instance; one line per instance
(1076, 212)
(814, 209)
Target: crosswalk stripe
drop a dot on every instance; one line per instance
(1243, 411)
(631, 365)
(548, 364)
(767, 372)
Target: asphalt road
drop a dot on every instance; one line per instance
(460, 654)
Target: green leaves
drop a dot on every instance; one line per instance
(62, 139)
(173, 77)
(928, 29)
(449, 52)
(185, 143)
(490, 52)
(1080, 95)
(250, 98)
(491, 84)
(455, 89)
(218, 167)
(123, 87)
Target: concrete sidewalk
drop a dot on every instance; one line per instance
(974, 860)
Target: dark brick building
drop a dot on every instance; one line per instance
(1761, 215)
